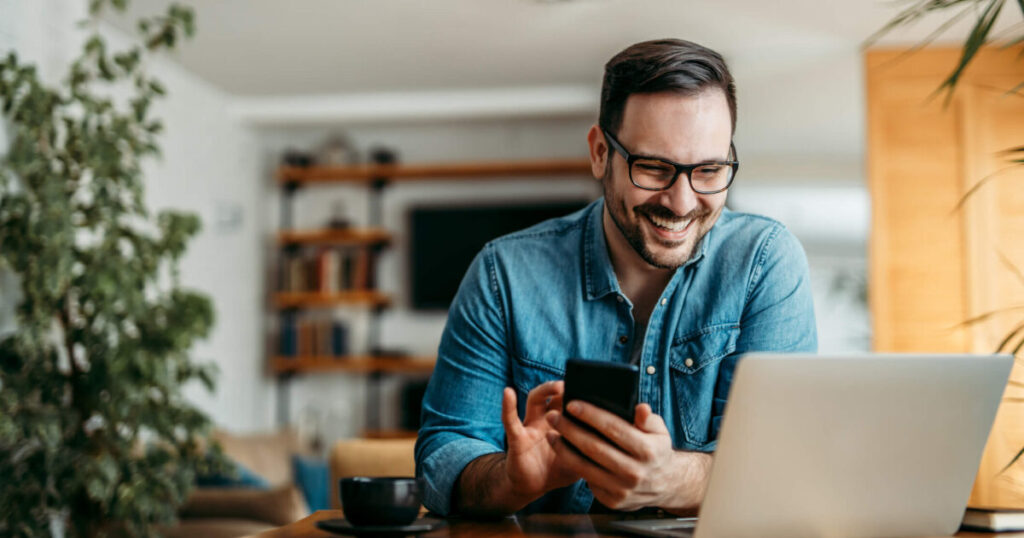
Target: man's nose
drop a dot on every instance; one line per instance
(681, 198)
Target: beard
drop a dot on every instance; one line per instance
(672, 254)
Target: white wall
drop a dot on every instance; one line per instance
(208, 168)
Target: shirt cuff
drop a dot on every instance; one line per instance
(442, 468)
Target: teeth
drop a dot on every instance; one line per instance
(671, 225)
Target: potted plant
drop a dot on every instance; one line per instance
(95, 435)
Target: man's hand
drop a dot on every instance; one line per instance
(530, 461)
(639, 469)
(503, 483)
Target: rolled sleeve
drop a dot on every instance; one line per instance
(461, 417)
(444, 465)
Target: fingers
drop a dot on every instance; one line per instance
(645, 419)
(509, 415)
(537, 401)
(572, 460)
(596, 448)
(618, 431)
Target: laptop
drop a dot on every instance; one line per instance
(846, 446)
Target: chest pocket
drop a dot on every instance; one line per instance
(527, 374)
(696, 361)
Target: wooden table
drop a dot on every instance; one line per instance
(535, 525)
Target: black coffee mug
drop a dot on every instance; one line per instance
(379, 501)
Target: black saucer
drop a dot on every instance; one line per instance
(342, 526)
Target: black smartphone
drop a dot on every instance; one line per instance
(608, 385)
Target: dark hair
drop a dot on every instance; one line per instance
(664, 65)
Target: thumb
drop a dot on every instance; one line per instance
(509, 415)
(645, 419)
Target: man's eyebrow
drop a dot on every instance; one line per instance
(663, 158)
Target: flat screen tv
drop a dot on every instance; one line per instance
(444, 239)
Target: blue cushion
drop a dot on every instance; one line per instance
(242, 477)
(312, 478)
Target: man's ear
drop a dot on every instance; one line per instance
(598, 152)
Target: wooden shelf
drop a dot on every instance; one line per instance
(358, 364)
(389, 434)
(315, 299)
(411, 172)
(347, 236)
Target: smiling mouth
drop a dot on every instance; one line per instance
(671, 225)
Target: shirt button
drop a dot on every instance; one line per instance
(623, 339)
(688, 362)
(664, 302)
(650, 370)
(618, 298)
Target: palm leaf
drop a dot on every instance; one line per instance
(974, 42)
(983, 317)
(912, 13)
(1016, 350)
(1019, 150)
(927, 40)
(1014, 460)
(1011, 266)
(1013, 333)
(982, 182)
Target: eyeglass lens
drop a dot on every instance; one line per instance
(655, 174)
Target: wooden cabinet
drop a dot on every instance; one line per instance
(939, 257)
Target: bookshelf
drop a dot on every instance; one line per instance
(315, 299)
(355, 363)
(346, 236)
(301, 288)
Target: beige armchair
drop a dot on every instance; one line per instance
(370, 457)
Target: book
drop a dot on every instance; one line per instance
(361, 270)
(994, 519)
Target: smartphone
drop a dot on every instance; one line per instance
(608, 385)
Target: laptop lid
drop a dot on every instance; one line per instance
(873, 445)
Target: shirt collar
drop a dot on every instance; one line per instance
(599, 276)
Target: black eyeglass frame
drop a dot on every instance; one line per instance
(679, 167)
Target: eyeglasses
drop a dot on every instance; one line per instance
(656, 174)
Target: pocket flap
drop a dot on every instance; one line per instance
(698, 349)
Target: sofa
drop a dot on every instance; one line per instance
(238, 511)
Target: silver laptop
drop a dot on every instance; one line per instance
(846, 446)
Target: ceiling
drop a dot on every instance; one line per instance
(301, 47)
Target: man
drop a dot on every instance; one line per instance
(656, 273)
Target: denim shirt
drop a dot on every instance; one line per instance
(537, 297)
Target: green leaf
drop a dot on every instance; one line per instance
(977, 38)
(70, 429)
(987, 315)
(1012, 461)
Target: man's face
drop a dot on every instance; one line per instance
(664, 227)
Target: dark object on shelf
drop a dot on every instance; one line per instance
(294, 157)
(444, 239)
(339, 216)
(338, 150)
(383, 155)
(412, 404)
(339, 339)
(388, 353)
